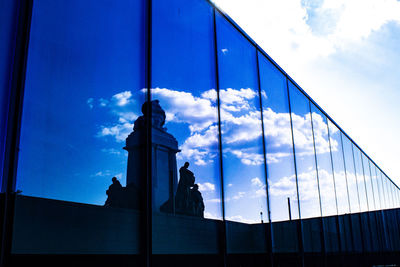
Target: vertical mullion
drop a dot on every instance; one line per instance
(147, 218)
(323, 248)
(300, 227)
(223, 238)
(269, 236)
(348, 193)
(23, 16)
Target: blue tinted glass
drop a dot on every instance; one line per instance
(279, 154)
(242, 148)
(378, 185)
(368, 183)
(7, 34)
(324, 163)
(305, 156)
(350, 175)
(339, 169)
(384, 190)
(360, 179)
(278, 142)
(183, 81)
(374, 185)
(83, 93)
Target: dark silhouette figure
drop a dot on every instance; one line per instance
(113, 193)
(196, 202)
(186, 181)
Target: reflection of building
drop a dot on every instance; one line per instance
(255, 141)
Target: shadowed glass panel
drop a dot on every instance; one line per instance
(279, 154)
(8, 10)
(83, 93)
(186, 173)
(242, 147)
(359, 170)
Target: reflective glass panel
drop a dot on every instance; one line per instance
(374, 185)
(350, 174)
(359, 170)
(339, 169)
(325, 177)
(83, 93)
(242, 147)
(368, 182)
(305, 156)
(378, 186)
(384, 190)
(279, 153)
(278, 142)
(186, 173)
(306, 168)
(324, 162)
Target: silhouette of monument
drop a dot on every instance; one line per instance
(168, 195)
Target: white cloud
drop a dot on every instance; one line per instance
(248, 158)
(119, 131)
(204, 187)
(123, 98)
(239, 218)
(90, 102)
(257, 182)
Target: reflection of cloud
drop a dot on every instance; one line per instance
(107, 173)
(111, 151)
(90, 102)
(206, 187)
(256, 181)
(248, 158)
(239, 218)
(122, 98)
(119, 131)
(121, 106)
(198, 112)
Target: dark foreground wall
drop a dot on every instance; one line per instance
(51, 231)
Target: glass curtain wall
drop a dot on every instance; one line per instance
(83, 95)
(186, 172)
(242, 147)
(282, 186)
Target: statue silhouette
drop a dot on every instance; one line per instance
(113, 193)
(196, 202)
(186, 181)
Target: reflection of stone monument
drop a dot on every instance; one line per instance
(164, 149)
(168, 195)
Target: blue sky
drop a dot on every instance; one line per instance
(344, 55)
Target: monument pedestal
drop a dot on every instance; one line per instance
(164, 148)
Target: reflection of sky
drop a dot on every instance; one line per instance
(80, 59)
